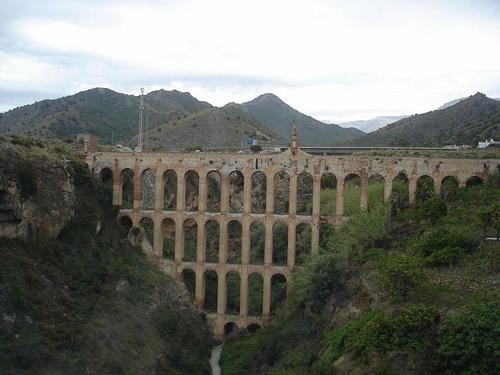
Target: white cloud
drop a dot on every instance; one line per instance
(337, 60)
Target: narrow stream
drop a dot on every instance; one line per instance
(214, 359)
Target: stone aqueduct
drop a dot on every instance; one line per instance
(294, 163)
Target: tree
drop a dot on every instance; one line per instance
(400, 274)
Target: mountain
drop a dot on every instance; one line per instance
(466, 122)
(99, 111)
(453, 102)
(278, 116)
(373, 124)
(211, 127)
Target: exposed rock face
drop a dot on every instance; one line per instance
(23, 213)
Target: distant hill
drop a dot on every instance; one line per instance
(466, 122)
(455, 101)
(279, 117)
(211, 127)
(99, 111)
(373, 124)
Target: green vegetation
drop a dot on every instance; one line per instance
(90, 303)
(415, 281)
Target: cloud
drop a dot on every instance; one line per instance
(335, 60)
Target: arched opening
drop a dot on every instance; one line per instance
(213, 191)
(375, 191)
(280, 243)
(400, 193)
(192, 195)
(255, 293)
(106, 176)
(233, 293)
(125, 225)
(304, 194)
(127, 179)
(449, 185)
(252, 328)
(328, 194)
(425, 188)
(148, 189)
(257, 242)
(302, 243)
(189, 280)
(234, 231)
(473, 181)
(148, 228)
(210, 304)
(212, 241)
(168, 236)
(230, 329)
(236, 182)
(278, 291)
(326, 230)
(170, 190)
(190, 229)
(259, 188)
(352, 194)
(281, 193)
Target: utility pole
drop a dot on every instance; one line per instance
(141, 113)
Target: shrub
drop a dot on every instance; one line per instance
(400, 274)
(433, 209)
(255, 148)
(469, 341)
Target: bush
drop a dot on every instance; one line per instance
(433, 209)
(446, 245)
(401, 274)
(469, 341)
(255, 148)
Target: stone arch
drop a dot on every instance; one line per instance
(257, 242)
(192, 192)
(236, 186)
(168, 238)
(169, 190)
(233, 292)
(148, 228)
(352, 193)
(253, 327)
(127, 182)
(400, 196)
(278, 291)
(211, 288)
(280, 243)
(212, 232)
(255, 293)
(235, 233)
(126, 223)
(259, 189)
(376, 185)
(302, 243)
(188, 277)
(281, 193)
(304, 193)
(448, 185)
(473, 181)
(214, 191)
(190, 230)
(230, 328)
(328, 194)
(425, 188)
(148, 189)
(106, 176)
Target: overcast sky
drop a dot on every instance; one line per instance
(334, 60)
